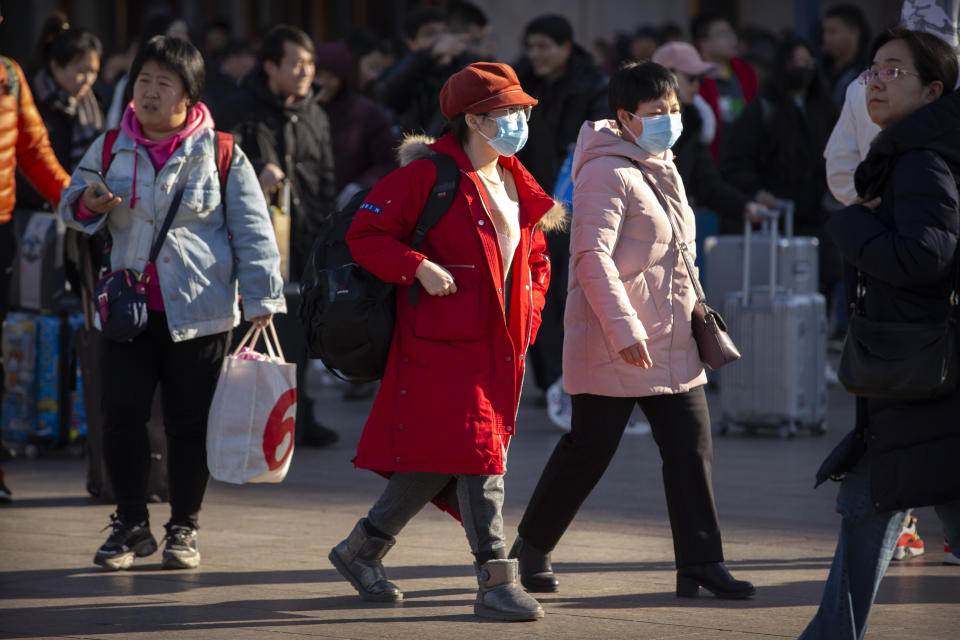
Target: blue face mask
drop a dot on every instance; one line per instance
(659, 132)
(511, 133)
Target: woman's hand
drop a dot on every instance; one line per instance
(637, 355)
(870, 204)
(435, 279)
(261, 322)
(102, 203)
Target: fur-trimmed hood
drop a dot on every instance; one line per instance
(418, 146)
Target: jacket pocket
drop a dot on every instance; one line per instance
(642, 300)
(458, 316)
(200, 200)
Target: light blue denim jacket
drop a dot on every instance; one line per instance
(207, 251)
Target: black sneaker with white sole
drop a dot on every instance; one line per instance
(125, 542)
(180, 552)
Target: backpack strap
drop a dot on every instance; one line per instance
(224, 159)
(109, 138)
(13, 80)
(438, 203)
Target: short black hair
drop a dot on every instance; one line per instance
(636, 82)
(700, 25)
(272, 46)
(555, 27)
(71, 43)
(462, 15)
(178, 56)
(934, 59)
(420, 16)
(853, 17)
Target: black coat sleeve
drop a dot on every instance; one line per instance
(711, 190)
(401, 82)
(742, 150)
(918, 244)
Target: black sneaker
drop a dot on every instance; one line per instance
(180, 551)
(126, 541)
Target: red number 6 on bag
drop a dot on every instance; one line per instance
(278, 435)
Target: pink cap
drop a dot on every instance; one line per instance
(682, 56)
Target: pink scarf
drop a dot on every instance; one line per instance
(198, 119)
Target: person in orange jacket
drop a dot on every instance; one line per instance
(24, 144)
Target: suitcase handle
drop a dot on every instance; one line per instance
(771, 223)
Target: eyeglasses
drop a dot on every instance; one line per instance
(885, 75)
(513, 114)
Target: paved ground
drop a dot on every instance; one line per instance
(265, 572)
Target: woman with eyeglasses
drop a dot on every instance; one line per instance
(902, 237)
(446, 409)
(628, 339)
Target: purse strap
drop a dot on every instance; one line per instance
(172, 211)
(677, 236)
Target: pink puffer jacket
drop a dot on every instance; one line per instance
(627, 280)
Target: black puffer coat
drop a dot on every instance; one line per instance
(296, 138)
(906, 250)
(701, 179)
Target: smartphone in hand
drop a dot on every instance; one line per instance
(95, 179)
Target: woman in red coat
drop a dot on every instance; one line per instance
(446, 409)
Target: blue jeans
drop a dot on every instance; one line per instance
(866, 545)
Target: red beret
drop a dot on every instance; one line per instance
(482, 87)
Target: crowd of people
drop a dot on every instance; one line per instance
(654, 131)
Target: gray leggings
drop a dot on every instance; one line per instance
(480, 499)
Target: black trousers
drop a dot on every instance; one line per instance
(546, 353)
(680, 425)
(187, 373)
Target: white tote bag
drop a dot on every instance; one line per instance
(250, 429)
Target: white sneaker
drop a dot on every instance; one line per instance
(560, 410)
(909, 545)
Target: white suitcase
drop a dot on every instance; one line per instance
(780, 381)
(797, 266)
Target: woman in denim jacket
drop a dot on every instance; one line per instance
(219, 242)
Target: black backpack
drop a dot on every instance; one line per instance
(348, 313)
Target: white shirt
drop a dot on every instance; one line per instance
(505, 213)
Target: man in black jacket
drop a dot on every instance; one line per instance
(411, 88)
(562, 76)
(279, 124)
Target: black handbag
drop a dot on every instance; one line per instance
(900, 360)
(120, 296)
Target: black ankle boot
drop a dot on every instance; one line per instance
(713, 577)
(536, 573)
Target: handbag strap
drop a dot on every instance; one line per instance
(172, 211)
(677, 236)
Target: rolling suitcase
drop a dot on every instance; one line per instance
(20, 356)
(39, 279)
(797, 266)
(40, 378)
(780, 381)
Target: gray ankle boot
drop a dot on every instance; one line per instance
(500, 597)
(359, 560)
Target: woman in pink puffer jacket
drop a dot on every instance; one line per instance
(628, 339)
